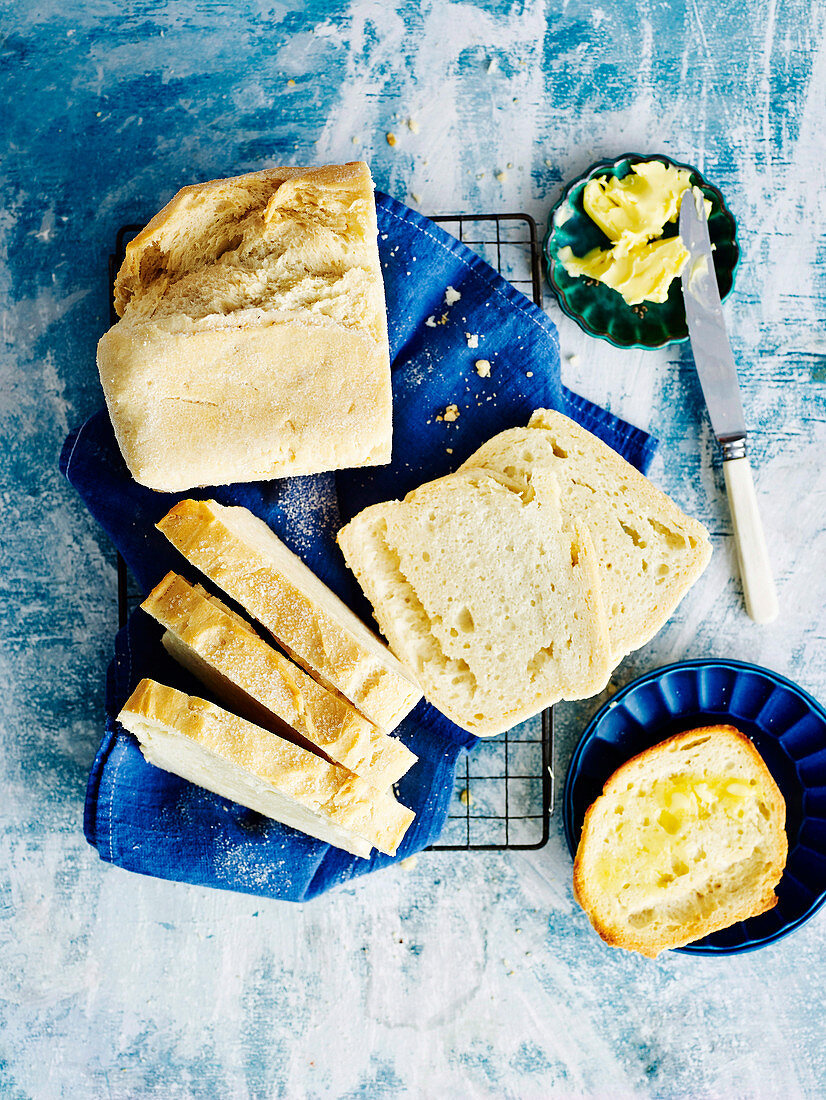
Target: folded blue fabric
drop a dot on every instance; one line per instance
(149, 821)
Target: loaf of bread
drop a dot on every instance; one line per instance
(253, 336)
(487, 592)
(240, 554)
(262, 685)
(649, 552)
(230, 756)
(686, 838)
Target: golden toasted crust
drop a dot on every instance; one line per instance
(241, 555)
(261, 684)
(285, 774)
(757, 895)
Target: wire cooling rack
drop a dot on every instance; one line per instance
(504, 793)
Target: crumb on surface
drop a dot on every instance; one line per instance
(449, 450)
(451, 413)
(413, 126)
(466, 798)
(415, 197)
(452, 295)
(409, 863)
(430, 321)
(391, 138)
(501, 176)
(529, 374)
(290, 83)
(472, 339)
(483, 368)
(573, 360)
(493, 65)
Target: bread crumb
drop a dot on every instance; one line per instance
(529, 374)
(509, 164)
(451, 413)
(449, 450)
(443, 319)
(415, 197)
(472, 339)
(466, 798)
(483, 368)
(431, 321)
(409, 863)
(290, 83)
(493, 65)
(391, 139)
(573, 360)
(413, 126)
(439, 416)
(501, 176)
(452, 296)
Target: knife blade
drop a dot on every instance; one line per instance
(718, 378)
(707, 327)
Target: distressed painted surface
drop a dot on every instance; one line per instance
(469, 975)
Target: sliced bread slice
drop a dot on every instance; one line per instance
(251, 564)
(264, 686)
(686, 838)
(650, 553)
(486, 594)
(252, 766)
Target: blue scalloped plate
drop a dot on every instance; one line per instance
(788, 728)
(601, 311)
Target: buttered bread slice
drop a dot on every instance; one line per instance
(650, 553)
(263, 685)
(236, 759)
(251, 564)
(686, 838)
(486, 593)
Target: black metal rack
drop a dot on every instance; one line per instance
(504, 792)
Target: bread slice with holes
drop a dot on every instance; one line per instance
(236, 759)
(686, 838)
(239, 553)
(252, 340)
(650, 553)
(262, 685)
(487, 592)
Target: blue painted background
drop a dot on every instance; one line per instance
(470, 975)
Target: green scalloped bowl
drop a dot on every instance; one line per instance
(603, 312)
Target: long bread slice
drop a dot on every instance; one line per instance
(263, 685)
(241, 554)
(226, 754)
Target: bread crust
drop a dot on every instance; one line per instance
(269, 689)
(252, 342)
(309, 621)
(327, 792)
(588, 894)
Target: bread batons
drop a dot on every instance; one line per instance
(487, 592)
(649, 552)
(230, 756)
(264, 686)
(253, 335)
(240, 554)
(686, 838)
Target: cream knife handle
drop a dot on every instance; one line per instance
(755, 570)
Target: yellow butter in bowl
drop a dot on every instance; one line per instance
(633, 212)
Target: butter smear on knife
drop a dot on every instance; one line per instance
(633, 212)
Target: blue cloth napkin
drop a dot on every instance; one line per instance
(149, 821)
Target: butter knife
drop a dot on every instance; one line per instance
(718, 378)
